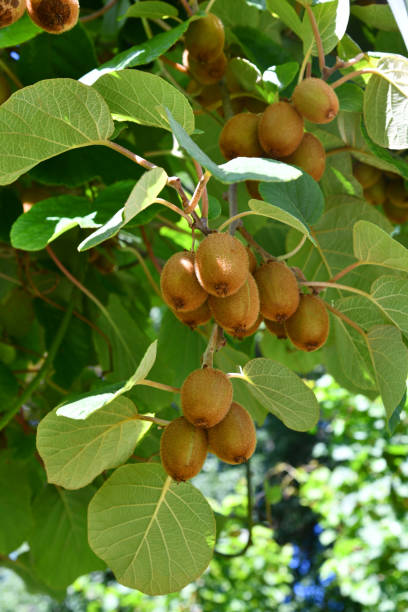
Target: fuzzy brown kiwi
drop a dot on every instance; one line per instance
(206, 396)
(366, 175)
(179, 285)
(239, 137)
(310, 156)
(280, 129)
(208, 73)
(397, 194)
(54, 16)
(205, 38)
(221, 264)
(248, 332)
(239, 311)
(196, 317)
(183, 449)
(316, 100)
(308, 328)
(233, 440)
(376, 194)
(396, 214)
(11, 11)
(277, 329)
(278, 290)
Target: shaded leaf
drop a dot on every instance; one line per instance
(372, 245)
(152, 10)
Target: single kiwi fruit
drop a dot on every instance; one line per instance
(397, 194)
(206, 395)
(310, 156)
(208, 73)
(179, 285)
(239, 137)
(247, 332)
(242, 103)
(252, 260)
(376, 194)
(209, 96)
(233, 440)
(316, 100)
(205, 38)
(277, 329)
(5, 89)
(183, 449)
(11, 11)
(237, 312)
(221, 264)
(366, 175)
(396, 214)
(54, 16)
(280, 129)
(308, 328)
(196, 317)
(278, 290)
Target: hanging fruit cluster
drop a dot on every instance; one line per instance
(383, 188)
(53, 16)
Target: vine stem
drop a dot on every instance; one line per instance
(295, 250)
(264, 254)
(204, 196)
(143, 417)
(346, 270)
(304, 64)
(198, 192)
(98, 13)
(330, 285)
(353, 75)
(149, 249)
(232, 219)
(316, 34)
(11, 75)
(94, 299)
(213, 344)
(146, 270)
(10, 279)
(43, 371)
(158, 385)
(187, 7)
(345, 319)
(209, 6)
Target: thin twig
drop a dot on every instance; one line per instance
(340, 64)
(263, 253)
(187, 7)
(198, 192)
(353, 75)
(346, 270)
(215, 340)
(144, 417)
(232, 219)
(294, 251)
(316, 34)
(175, 65)
(98, 13)
(146, 270)
(5, 68)
(204, 196)
(161, 386)
(346, 319)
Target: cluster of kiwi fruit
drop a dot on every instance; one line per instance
(384, 189)
(211, 421)
(222, 280)
(53, 16)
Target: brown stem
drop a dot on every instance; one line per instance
(187, 7)
(143, 417)
(216, 340)
(353, 75)
(198, 192)
(316, 34)
(158, 385)
(264, 254)
(346, 271)
(98, 13)
(340, 64)
(204, 196)
(129, 154)
(331, 285)
(174, 208)
(149, 250)
(175, 65)
(345, 319)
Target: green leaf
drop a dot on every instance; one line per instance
(23, 29)
(378, 16)
(287, 14)
(282, 393)
(395, 418)
(138, 55)
(134, 95)
(151, 10)
(372, 245)
(282, 75)
(15, 504)
(386, 103)
(238, 169)
(388, 160)
(59, 542)
(84, 406)
(275, 212)
(350, 97)
(76, 451)
(332, 19)
(48, 118)
(142, 196)
(157, 536)
(390, 293)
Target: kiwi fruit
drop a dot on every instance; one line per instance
(208, 73)
(54, 16)
(206, 396)
(366, 175)
(233, 440)
(308, 328)
(221, 264)
(179, 285)
(310, 156)
(376, 193)
(241, 104)
(278, 290)
(247, 332)
(237, 312)
(316, 100)
(396, 214)
(397, 194)
(5, 89)
(280, 129)
(11, 11)
(239, 137)
(183, 449)
(277, 329)
(251, 259)
(205, 38)
(209, 96)
(196, 317)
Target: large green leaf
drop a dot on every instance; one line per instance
(386, 103)
(15, 503)
(76, 451)
(23, 29)
(287, 14)
(134, 95)
(282, 393)
(332, 19)
(156, 535)
(377, 16)
(48, 118)
(390, 293)
(59, 542)
(372, 245)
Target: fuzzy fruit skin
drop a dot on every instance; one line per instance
(183, 449)
(221, 264)
(376, 194)
(206, 396)
(233, 440)
(277, 329)
(192, 318)
(397, 194)
(179, 285)
(248, 332)
(396, 214)
(366, 175)
(310, 156)
(11, 11)
(208, 73)
(54, 16)
(280, 129)
(308, 328)
(239, 311)
(5, 90)
(278, 291)
(239, 137)
(316, 100)
(205, 38)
